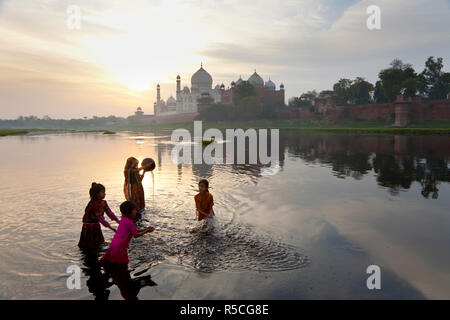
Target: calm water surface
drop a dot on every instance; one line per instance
(339, 204)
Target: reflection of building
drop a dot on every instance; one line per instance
(202, 93)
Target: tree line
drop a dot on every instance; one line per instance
(398, 78)
(48, 123)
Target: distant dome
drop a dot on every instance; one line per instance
(186, 90)
(217, 87)
(239, 81)
(270, 85)
(233, 83)
(171, 101)
(256, 81)
(201, 79)
(139, 111)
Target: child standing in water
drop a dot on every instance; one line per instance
(115, 260)
(91, 233)
(204, 201)
(133, 189)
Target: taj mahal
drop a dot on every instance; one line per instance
(190, 100)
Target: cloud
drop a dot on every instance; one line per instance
(306, 44)
(411, 30)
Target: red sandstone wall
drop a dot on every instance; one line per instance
(437, 110)
(433, 110)
(385, 111)
(176, 118)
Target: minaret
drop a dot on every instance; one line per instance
(158, 94)
(178, 88)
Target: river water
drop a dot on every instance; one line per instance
(338, 204)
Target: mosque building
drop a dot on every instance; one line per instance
(202, 93)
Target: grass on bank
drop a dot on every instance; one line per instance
(21, 132)
(12, 132)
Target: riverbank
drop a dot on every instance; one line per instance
(356, 127)
(359, 127)
(21, 132)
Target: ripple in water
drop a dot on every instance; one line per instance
(215, 246)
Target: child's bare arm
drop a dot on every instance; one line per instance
(141, 232)
(204, 213)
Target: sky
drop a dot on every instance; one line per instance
(112, 64)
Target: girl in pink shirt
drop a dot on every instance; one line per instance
(115, 260)
(117, 251)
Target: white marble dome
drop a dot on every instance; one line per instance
(201, 79)
(256, 81)
(171, 101)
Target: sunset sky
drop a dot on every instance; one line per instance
(124, 48)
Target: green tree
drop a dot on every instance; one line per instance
(270, 106)
(326, 93)
(342, 91)
(379, 93)
(306, 100)
(244, 89)
(217, 112)
(393, 78)
(410, 87)
(360, 91)
(249, 108)
(436, 83)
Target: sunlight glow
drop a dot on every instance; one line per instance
(152, 46)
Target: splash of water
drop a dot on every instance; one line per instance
(212, 245)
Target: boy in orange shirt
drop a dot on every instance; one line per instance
(204, 201)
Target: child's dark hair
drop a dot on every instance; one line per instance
(96, 188)
(204, 182)
(126, 207)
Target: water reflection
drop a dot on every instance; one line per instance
(102, 276)
(265, 223)
(397, 161)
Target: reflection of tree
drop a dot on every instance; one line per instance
(429, 175)
(350, 164)
(392, 175)
(355, 156)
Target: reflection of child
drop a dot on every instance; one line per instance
(133, 184)
(204, 201)
(91, 233)
(115, 260)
